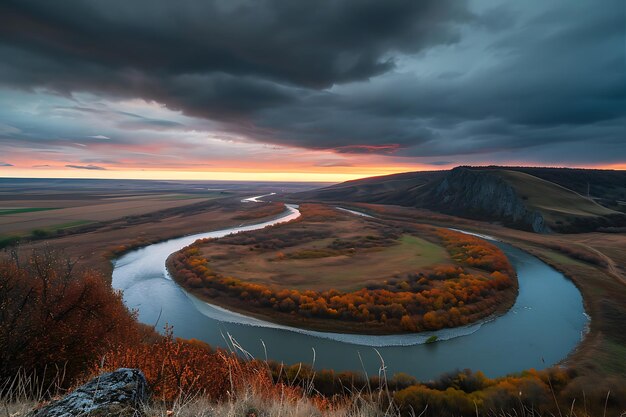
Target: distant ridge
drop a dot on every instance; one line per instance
(535, 199)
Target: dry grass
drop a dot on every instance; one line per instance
(87, 210)
(345, 253)
(249, 404)
(313, 266)
(257, 395)
(25, 391)
(556, 202)
(16, 408)
(95, 248)
(250, 396)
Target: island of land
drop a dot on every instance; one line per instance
(330, 270)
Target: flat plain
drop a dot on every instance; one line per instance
(334, 257)
(95, 220)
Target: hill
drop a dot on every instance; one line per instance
(512, 196)
(387, 189)
(607, 187)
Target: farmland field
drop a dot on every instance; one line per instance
(17, 218)
(29, 205)
(93, 220)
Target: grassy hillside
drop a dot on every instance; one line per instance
(607, 187)
(556, 203)
(390, 189)
(511, 196)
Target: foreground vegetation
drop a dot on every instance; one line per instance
(477, 282)
(60, 325)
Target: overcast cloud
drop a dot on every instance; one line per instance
(435, 81)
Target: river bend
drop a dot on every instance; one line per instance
(546, 322)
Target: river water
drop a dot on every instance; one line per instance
(546, 322)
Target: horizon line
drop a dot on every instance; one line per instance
(239, 176)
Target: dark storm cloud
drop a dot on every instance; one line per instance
(562, 79)
(122, 119)
(410, 78)
(218, 59)
(439, 163)
(304, 43)
(153, 124)
(88, 167)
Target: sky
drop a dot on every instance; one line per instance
(324, 90)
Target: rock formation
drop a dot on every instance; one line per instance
(119, 393)
(482, 195)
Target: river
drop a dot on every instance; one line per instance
(546, 322)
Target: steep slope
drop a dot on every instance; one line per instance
(512, 197)
(485, 195)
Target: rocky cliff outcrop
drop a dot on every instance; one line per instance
(119, 393)
(482, 195)
(509, 195)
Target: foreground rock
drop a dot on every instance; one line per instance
(119, 393)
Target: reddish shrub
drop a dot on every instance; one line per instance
(55, 316)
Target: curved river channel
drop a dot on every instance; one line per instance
(547, 321)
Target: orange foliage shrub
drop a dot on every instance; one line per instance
(467, 393)
(53, 316)
(319, 212)
(178, 367)
(476, 252)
